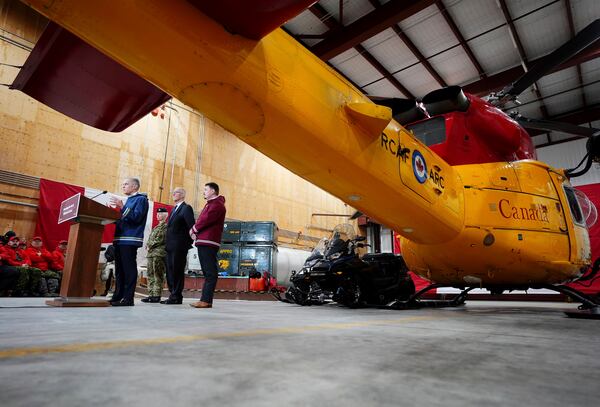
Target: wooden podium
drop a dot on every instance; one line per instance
(81, 261)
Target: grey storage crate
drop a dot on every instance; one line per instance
(258, 257)
(231, 232)
(229, 259)
(259, 232)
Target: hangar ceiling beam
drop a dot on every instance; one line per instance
(522, 55)
(367, 26)
(413, 48)
(572, 30)
(327, 19)
(382, 70)
(460, 38)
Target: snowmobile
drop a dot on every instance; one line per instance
(334, 272)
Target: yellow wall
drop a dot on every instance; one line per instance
(37, 141)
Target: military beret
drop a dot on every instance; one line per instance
(161, 210)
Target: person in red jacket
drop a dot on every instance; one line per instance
(58, 264)
(39, 256)
(8, 275)
(207, 236)
(14, 256)
(30, 278)
(42, 259)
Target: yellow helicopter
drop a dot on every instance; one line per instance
(500, 225)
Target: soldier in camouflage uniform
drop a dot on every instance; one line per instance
(156, 257)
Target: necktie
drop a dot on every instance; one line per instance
(173, 214)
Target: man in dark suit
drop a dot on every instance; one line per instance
(178, 244)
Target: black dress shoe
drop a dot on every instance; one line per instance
(171, 301)
(122, 303)
(115, 299)
(151, 299)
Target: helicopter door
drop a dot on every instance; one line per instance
(576, 218)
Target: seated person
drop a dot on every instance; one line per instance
(58, 264)
(39, 256)
(30, 280)
(8, 275)
(22, 243)
(109, 268)
(4, 239)
(41, 259)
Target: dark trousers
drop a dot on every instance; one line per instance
(8, 277)
(208, 261)
(176, 272)
(125, 272)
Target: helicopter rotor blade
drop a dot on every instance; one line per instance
(539, 124)
(581, 41)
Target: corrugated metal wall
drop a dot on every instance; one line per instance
(568, 155)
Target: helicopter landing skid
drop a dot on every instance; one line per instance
(589, 309)
(590, 313)
(414, 302)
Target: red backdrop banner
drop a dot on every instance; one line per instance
(593, 192)
(52, 193)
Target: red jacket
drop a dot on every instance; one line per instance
(15, 257)
(40, 258)
(59, 260)
(209, 226)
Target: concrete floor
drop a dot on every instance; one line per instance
(269, 353)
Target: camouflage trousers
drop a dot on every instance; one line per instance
(52, 281)
(156, 275)
(29, 282)
(33, 281)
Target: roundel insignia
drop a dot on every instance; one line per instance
(419, 166)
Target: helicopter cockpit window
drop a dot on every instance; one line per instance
(430, 132)
(583, 210)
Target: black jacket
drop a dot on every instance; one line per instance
(178, 228)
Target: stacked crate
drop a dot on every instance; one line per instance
(229, 252)
(248, 246)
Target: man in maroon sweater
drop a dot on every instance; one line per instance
(207, 237)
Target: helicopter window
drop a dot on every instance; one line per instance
(574, 206)
(589, 212)
(430, 132)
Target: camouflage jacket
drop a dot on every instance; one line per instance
(157, 241)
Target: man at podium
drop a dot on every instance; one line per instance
(129, 237)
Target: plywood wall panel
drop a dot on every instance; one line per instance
(19, 20)
(21, 219)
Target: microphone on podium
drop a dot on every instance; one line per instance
(97, 195)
